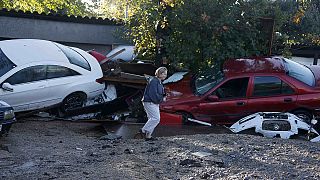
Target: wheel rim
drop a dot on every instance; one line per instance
(72, 102)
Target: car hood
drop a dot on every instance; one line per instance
(180, 92)
(316, 71)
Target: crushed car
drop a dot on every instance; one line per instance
(36, 74)
(272, 124)
(7, 117)
(246, 86)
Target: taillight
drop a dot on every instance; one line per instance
(100, 80)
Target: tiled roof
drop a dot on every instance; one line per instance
(58, 17)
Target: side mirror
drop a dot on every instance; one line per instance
(213, 98)
(7, 87)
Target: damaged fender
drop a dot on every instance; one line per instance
(271, 124)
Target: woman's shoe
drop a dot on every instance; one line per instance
(140, 135)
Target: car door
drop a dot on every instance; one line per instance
(231, 103)
(60, 80)
(271, 94)
(27, 88)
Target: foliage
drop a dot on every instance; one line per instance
(197, 33)
(304, 27)
(63, 7)
(205, 33)
(299, 25)
(117, 9)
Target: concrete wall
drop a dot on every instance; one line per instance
(86, 36)
(304, 60)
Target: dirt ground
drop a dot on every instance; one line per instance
(75, 150)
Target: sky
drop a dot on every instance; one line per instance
(87, 1)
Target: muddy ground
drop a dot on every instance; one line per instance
(75, 150)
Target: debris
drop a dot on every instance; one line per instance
(200, 122)
(175, 77)
(205, 176)
(123, 52)
(79, 149)
(217, 162)
(128, 151)
(190, 163)
(201, 154)
(271, 124)
(110, 136)
(316, 139)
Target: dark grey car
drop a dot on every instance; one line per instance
(7, 117)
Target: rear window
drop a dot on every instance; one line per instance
(5, 64)
(54, 71)
(74, 57)
(299, 72)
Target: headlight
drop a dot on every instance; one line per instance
(9, 114)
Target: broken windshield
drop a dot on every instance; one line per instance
(299, 72)
(207, 80)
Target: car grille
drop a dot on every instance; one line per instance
(279, 125)
(1, 115)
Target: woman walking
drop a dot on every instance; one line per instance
(153, 95)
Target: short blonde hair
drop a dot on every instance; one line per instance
(160, 70)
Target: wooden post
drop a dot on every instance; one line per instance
(316, 57)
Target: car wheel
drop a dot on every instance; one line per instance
(73, 101)
(304, 115)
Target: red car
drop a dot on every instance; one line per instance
(247, 86)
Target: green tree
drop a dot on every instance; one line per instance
(117, 9)
(197, 33)
(63, 7)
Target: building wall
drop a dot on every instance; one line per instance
(85, 35)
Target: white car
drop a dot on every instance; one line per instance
(36, 74)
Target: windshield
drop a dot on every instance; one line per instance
(5, 64)
(299, 72)
(207, 80)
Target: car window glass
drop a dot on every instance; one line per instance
(54, 71)
(5, 64)
(74, 57)
(234, 88)
(269, 86)
(299, 72)
(29, 74)
(205, 81)
(286, 89)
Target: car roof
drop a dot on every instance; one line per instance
(25, 51)
(239, 66)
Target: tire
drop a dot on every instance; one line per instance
(73, 101)
(306, 116)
